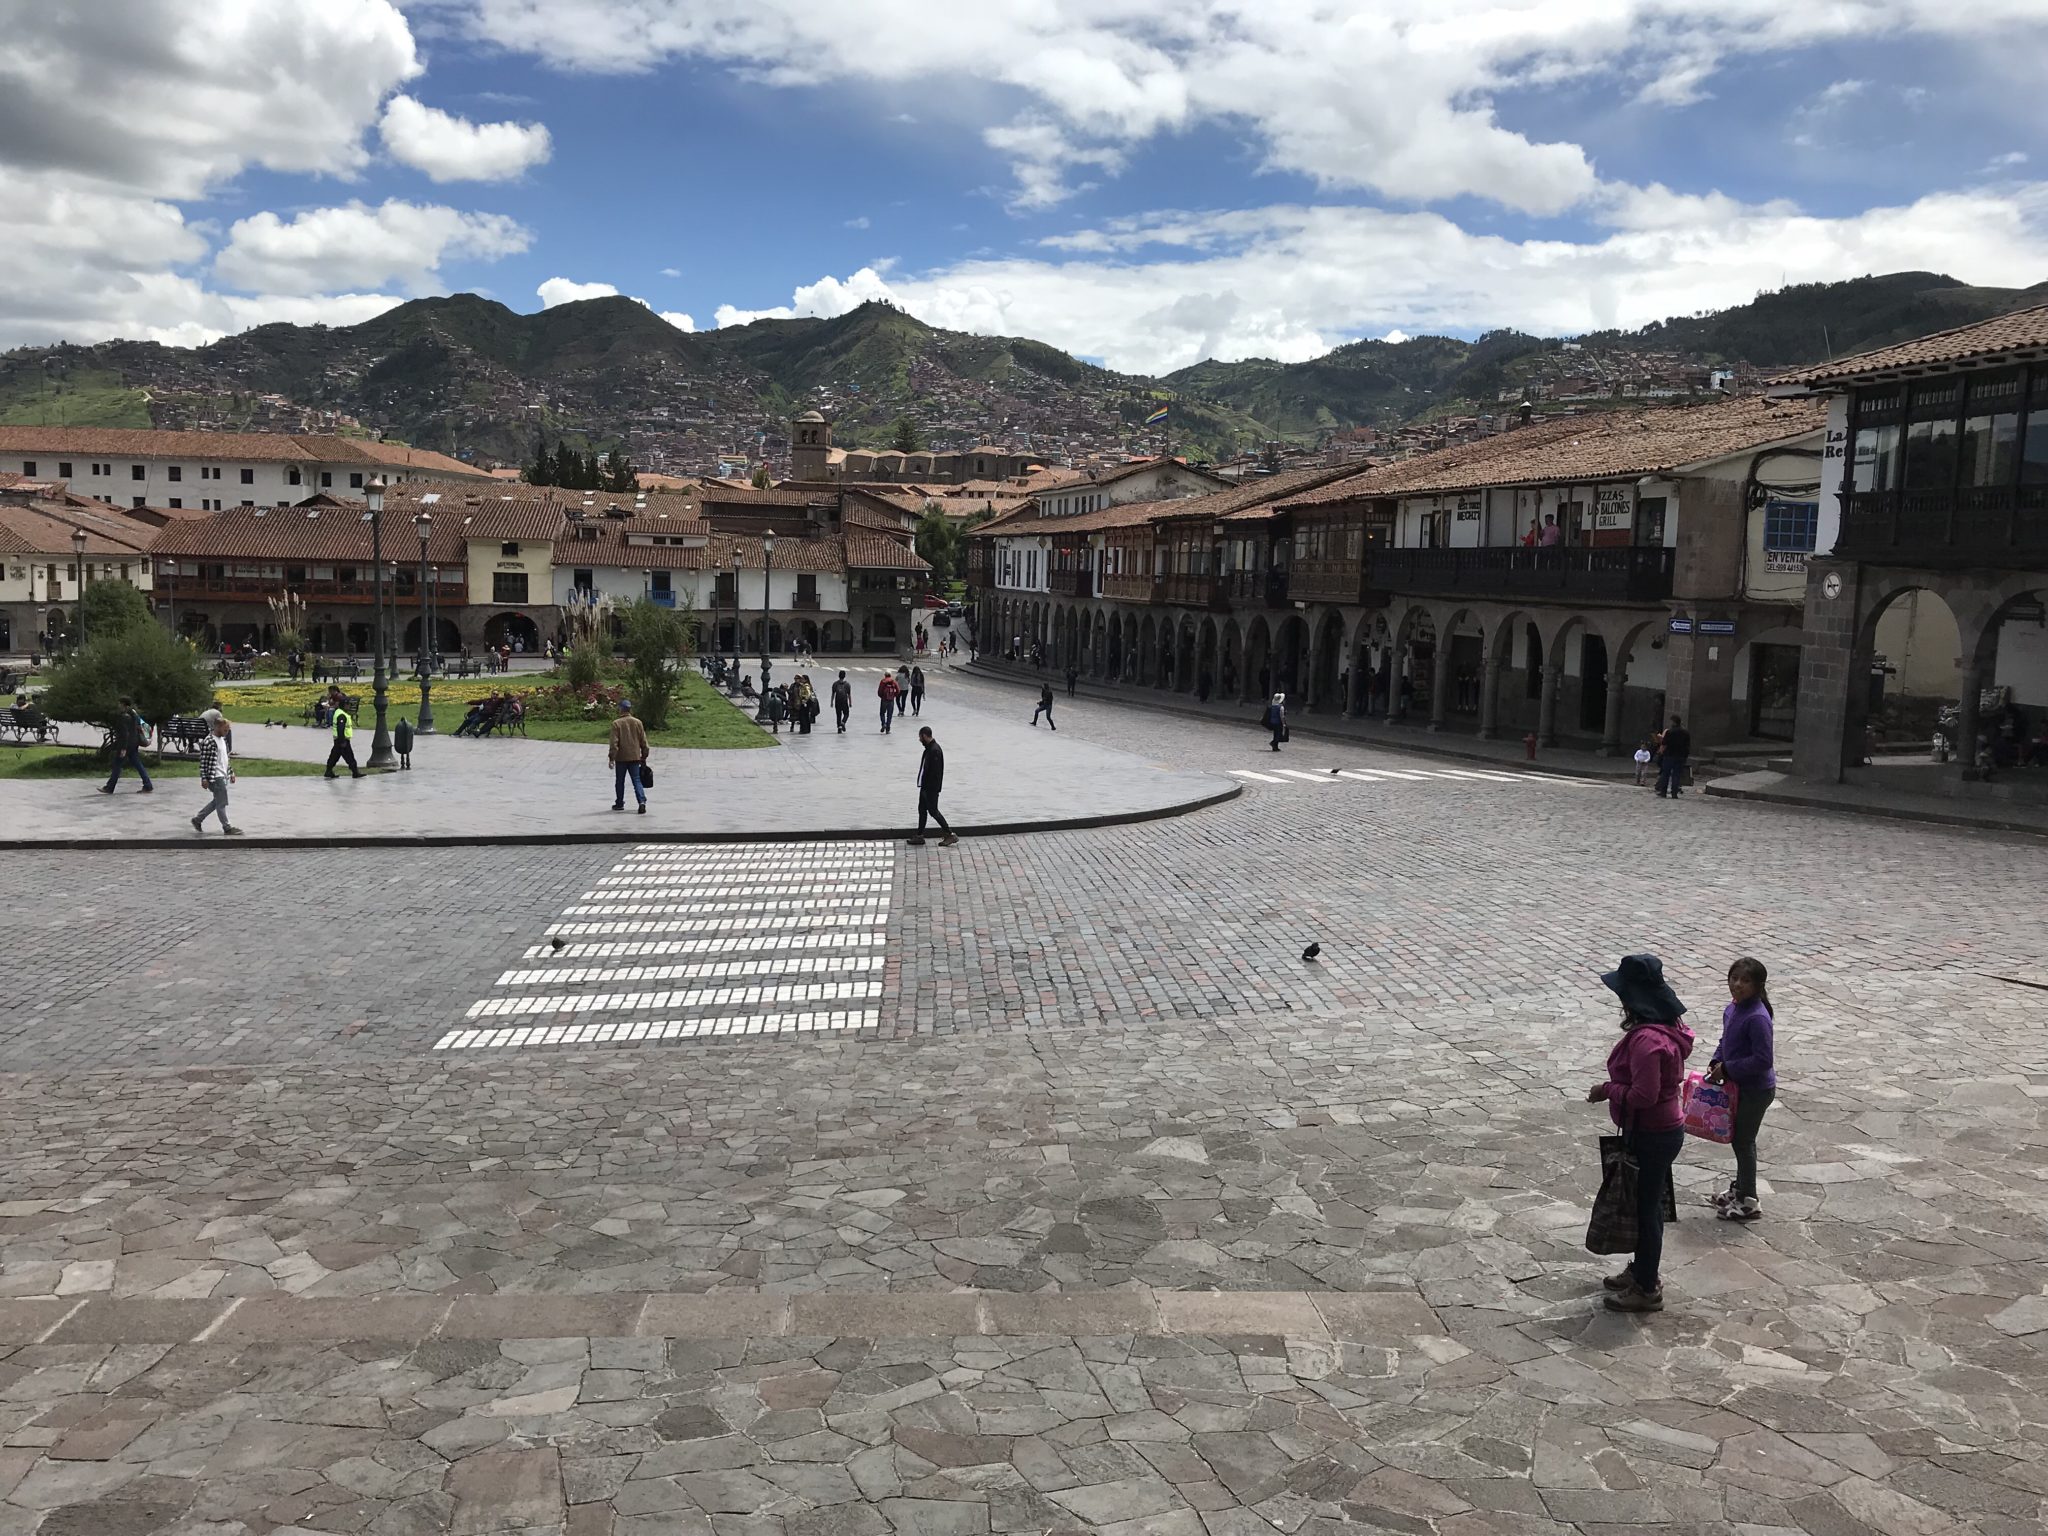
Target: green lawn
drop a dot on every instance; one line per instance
(87, 763)
(87, 398)
(700, 717)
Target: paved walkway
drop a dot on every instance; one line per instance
(1988, 813)
(1001, 775)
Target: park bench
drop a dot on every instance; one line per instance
(25, 725)
(182, 734)
(234, 671)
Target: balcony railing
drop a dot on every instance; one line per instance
(806, 602)
(1325, 581)
(1629, 573)
(661, 598)
(1251, 589)
(1132, 587)
(256, 589)
(1978, 525)
(1188, 589)
(1071, 583)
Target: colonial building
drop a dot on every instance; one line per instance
(1934, 504)
(43, 568)
(813, 459)
(1581, 577)
(211, 471)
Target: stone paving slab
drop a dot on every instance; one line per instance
(1002, 776)
(1986, 815)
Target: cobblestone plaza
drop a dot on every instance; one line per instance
(1036, 1184)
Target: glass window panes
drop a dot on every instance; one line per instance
(1930, 463)
(1790, 526)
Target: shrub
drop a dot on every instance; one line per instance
(112, 608)
(658, 642)
(583, 666)
(161, 673)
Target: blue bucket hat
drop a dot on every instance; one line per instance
(625, 706)
(1639, 982)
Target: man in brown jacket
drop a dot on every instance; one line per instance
(628, 752)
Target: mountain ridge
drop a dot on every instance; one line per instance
(465, 373)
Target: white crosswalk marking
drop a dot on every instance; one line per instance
(725, 940)
(1399, 778)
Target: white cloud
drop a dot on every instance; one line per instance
(676, 318)
(858, 222)
(1283, 282)
(563, 290)
(827, 297)
(671, 271)
(450, 148)
(1395, 337)
(1396, 97)
(357, 245)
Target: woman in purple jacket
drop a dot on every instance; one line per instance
(1747, 1057)
(1645, 1079)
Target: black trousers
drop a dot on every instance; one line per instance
(928, 805)
(344, 752)
(1655, 1152)
(1750, 1104)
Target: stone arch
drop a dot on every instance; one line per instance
(1148, 650)
(1127, 659)
(1182, 678)
(1098, 650)
(1258, 658)
(836, 636)
(878, 632)
(2011, 655)
(1636, 685)
(1458, 667)
(447, 636)
(505, 628)
(1561, 697)
(804, 632)
(1290, 648)
(1410, 659)
(1205, 659)
(1326, 664)
(1229, 660)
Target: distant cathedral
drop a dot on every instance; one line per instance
(813, 460)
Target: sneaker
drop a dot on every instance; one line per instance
(1619, 1282)
(1724, 1197)
(1635, 1299)
(618, 805)
(147, 789)
(198, 826)
(232, 831)
(643, 807)
(1745, 1209)
(948, 840)
(106, 789)
(914, 842)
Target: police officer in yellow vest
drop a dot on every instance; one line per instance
(344, 750)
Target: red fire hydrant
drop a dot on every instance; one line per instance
(1529, 745)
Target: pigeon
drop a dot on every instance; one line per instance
(556, 942)
(1333, 770)
(1312, 951)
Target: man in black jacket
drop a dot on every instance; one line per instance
(128, 737)
(931, 778)
(842, 701)
(1671, 766)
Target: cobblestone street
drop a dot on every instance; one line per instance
(1036, 1184)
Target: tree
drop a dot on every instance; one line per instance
(761, 479)
(658, 644)
(905, 438)
(938, 542)
(159, 671)
(112, 607)
(542, 470)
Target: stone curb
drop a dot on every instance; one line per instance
(646, 835)
(1424, 748)
(1957, 819)
(1381, 1317)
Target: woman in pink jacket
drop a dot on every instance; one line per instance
(1645, 1074)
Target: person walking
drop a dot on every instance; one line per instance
(1073, 679)
(627, 754)
(344, 748)
(1643, 756)
(902, 688)
(1746, 1058)
(1044, 706)
(1676, 748)
(1642, 1092)
(129, 734)
(1276, 719)
(216, 773)
(931, 778)
(917, 690)
(842, 701)
(885, 690)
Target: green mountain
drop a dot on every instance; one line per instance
(466, 375)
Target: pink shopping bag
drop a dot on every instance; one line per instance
(1709, 1109)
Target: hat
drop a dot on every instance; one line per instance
(1639, 982)
(625, 706)
(210, 716)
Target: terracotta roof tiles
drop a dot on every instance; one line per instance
(2021, 333)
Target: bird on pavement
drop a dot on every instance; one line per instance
(556, 943)
(1312, 951)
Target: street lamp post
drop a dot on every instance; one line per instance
(733, 683)
(381, 757)
(78, 551)
(424, 726)
(767, 600)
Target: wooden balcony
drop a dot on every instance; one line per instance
(1132, 587)
(1071, 583)
(806, 602)
(257, 589)
(1628, 574)
(1256, 589)
(1189, 591)
(1326, 581)
(1980, 525)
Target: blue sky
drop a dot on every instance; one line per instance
(1139, 182)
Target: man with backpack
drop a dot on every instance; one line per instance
(842, 701)
(130, 731)
(344, 749)
(886, 691)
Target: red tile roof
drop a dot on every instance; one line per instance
(250, 447)
(869, 551)
(1254, 494)
(45, 528)
(2003, 338)
(310, 534)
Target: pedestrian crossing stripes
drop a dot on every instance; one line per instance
(775, 939)
(1293, 777)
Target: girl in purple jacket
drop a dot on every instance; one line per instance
(1747, 1057)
